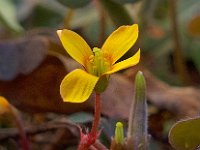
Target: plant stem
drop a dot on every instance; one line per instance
(90, 138)
(24, 142)
(102, 22)
(179, 61)
(68, 17)
(97, 114)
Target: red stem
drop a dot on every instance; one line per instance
(24, 142)
(97, 114)
(90, 138)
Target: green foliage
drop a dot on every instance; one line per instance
(194, 53)
(8, 15)
(44, 16)
(81, 3)
(125, 1)
(117, 12)
(74, 3)
(184, 135)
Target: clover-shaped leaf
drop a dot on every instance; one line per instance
(184, 135)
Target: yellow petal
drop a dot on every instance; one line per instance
(75, 45)
(4, 105)
(120, 41)
(77, 86)
(125, 63)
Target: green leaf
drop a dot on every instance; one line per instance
(8, 15)
(117, 12)
(184, 135)
(43, 16)
(74, 3)
(125, 1)
(194, 53)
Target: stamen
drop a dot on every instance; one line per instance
(91, 57)
(98, 63)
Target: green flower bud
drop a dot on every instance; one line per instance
(119, 133)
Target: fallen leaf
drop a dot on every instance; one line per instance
(21, 56)
(39, 90)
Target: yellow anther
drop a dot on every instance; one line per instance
(105, 60)
(107, 64)
(91, 57)
(105, 52)
(94, 67)
(99, 64)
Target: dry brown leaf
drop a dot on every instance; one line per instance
(194, 26)
(21, 56)
(39, 91)
(183, 101)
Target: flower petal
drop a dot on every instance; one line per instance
(75, 45)
(4, 105)
(77, 86)
(120, 41)
(126, 63)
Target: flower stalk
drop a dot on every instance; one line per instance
(89, 139)
(24, 142)
(97, 114)
(6, 107)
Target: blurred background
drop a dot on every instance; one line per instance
(33, 63)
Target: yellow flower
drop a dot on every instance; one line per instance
(98, 64)
(4, 105)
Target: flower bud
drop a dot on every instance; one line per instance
(119, 133)
(137, 129)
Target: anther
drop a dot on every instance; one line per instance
(91, 57)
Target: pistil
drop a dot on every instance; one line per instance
(98, 63)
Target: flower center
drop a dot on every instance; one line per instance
(98, 63)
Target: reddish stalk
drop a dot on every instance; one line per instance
(23, 141)
(97, 114)
(89, 139)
